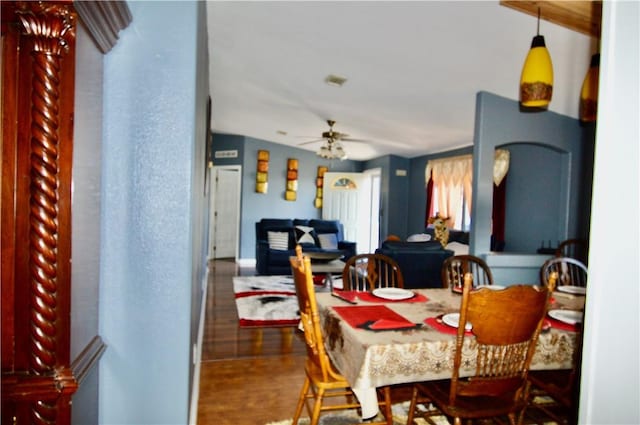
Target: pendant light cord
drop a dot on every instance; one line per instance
(538, 21)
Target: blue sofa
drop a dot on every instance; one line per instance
(272, 260)
(420, 262)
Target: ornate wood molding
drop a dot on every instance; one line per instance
(104, 19)
(38, 379)
(51, 27)
(88, 358)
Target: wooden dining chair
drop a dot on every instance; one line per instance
(322, 379)
(505, 326)
(555, 392)
(366, 272)
(570, 272)
(573, 248)
(455, 268)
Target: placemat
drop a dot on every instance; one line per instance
(557, 324)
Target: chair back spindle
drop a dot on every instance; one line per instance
(455, 268)
(366, 272)
(570, 271)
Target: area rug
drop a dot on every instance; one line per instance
(400, 412)
(266, 301)
(350, 417)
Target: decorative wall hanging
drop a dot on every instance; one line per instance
(292, 180)
(262, 172)
(319, 183)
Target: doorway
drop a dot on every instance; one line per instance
(354, 199)
(225, 211)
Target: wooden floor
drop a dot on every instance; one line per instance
(248, 376)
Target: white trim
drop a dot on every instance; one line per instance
(195, 386)
(246, 262)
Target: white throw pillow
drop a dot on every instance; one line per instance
(278, 240)
(304, 234)
(328, 240)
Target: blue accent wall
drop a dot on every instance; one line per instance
(546, 192)
(547, 196)
(154, 213)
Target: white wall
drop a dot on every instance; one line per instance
(610, 387)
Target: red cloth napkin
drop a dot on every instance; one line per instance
(437, 324)
(376, 317)
(370, 298)
(557, 324)
(386, 324)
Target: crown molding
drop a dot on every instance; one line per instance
(104, 19)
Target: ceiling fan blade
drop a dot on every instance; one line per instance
(349, 139)
(311, 141)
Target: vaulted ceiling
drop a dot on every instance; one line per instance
(412, 69)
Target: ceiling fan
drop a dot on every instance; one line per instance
(332, 147)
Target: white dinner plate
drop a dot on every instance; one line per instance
(393, 293)
(570, 289)
(567, 316)
(452, 320)
(492, 287)
(458, 290)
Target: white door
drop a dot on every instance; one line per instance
(347, 197)
(225, 211)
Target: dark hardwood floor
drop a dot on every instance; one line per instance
(248, 376)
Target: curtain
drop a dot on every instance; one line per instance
(452, 176)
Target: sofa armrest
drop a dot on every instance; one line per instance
(262, 256)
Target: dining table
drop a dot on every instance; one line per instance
(375, 342)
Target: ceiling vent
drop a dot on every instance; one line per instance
(334, 80)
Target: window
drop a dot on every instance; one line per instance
(449, 185)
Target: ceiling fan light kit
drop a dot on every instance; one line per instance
(536, 80)
(332, 149)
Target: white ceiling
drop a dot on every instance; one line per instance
(413, 70)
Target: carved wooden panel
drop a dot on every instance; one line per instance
(38, 72)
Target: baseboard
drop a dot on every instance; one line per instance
(246, 262)
(195, 388)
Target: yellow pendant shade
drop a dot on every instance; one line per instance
(589, 92)
(536, 80)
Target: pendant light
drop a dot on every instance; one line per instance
(536, 80)
(589, 92)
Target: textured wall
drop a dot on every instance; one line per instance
(153, 168)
